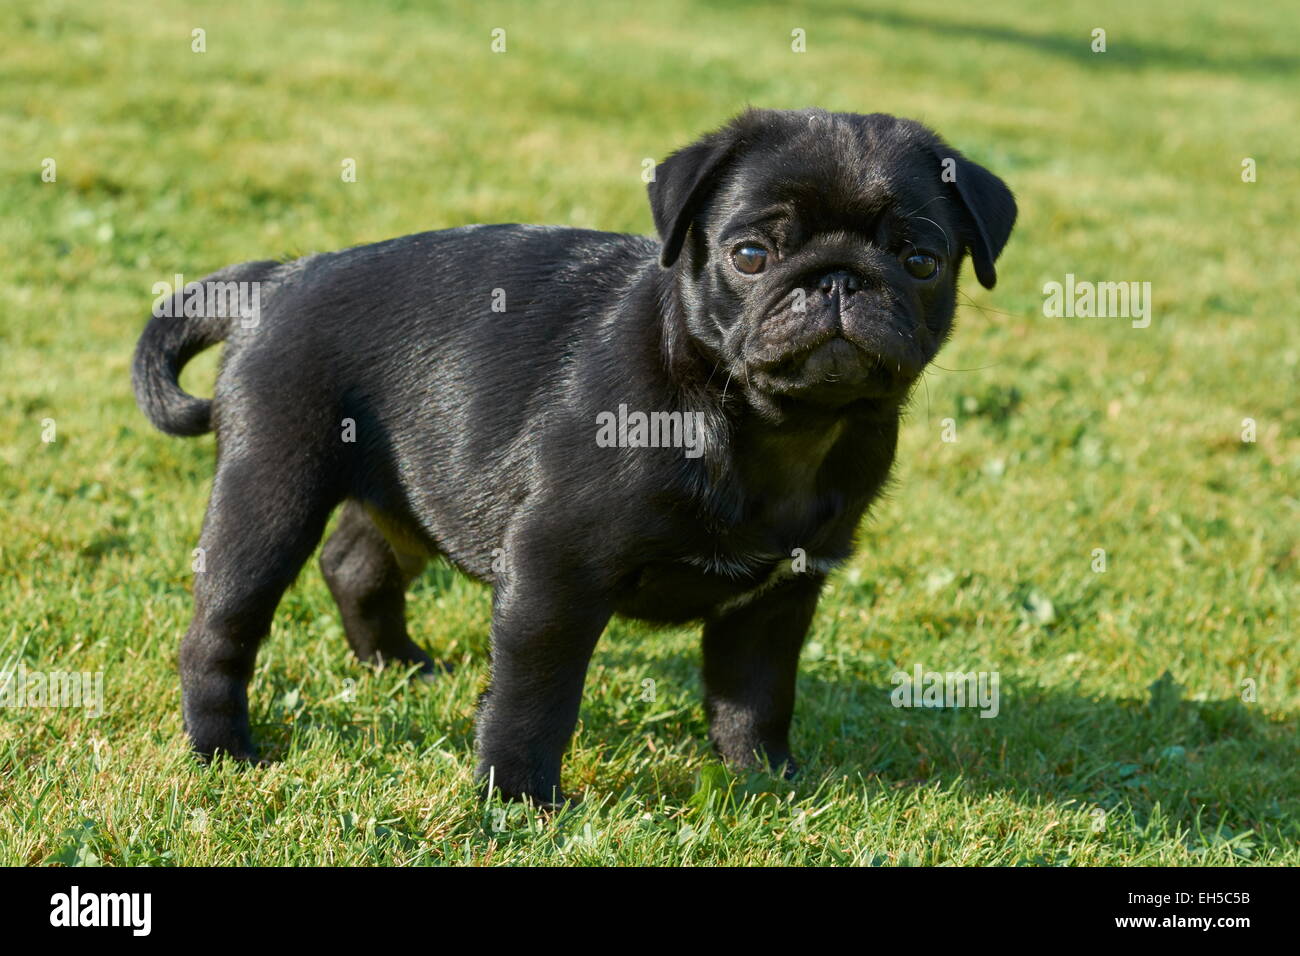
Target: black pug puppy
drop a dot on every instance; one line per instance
(688, 429)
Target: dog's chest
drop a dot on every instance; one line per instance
(788, 516)
(679, 592)
(733, 569)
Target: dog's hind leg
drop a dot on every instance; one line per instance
(263, 521)
(368, 579)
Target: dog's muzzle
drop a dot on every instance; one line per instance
(847, 345)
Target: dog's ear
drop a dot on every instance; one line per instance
(682, 182)
(988, 211)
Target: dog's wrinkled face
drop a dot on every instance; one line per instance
(817, 253)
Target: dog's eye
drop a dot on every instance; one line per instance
(921, 265)
(749, 259)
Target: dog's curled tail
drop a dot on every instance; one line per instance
(172, 338)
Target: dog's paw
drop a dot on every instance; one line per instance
(746, 756)
(548, 806)
(432, 671)
(523, 788)
(243, 755)
(211, 738)
(427, 669)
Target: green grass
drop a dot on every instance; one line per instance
(1074, 434)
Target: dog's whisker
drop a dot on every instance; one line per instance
(985, 309)
(711, 374)
(978, 368)
(926, 383)
(947, 240)
(939, 198)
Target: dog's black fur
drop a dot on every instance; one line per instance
(475, 429)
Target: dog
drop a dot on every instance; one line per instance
(682, 429)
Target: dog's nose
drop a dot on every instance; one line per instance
(846, 281)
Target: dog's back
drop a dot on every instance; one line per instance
(324, 314)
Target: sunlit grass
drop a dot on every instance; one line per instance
(1073, 435)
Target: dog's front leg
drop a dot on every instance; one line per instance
(751, 656)
(546, 619)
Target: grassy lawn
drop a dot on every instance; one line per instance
(1150, 713)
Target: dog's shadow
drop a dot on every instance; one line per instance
(1222, 767)
(1214, 766)
(1126, 50)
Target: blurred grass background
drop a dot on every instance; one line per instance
(1073, 434)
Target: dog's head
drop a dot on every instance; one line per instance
(817, 253)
